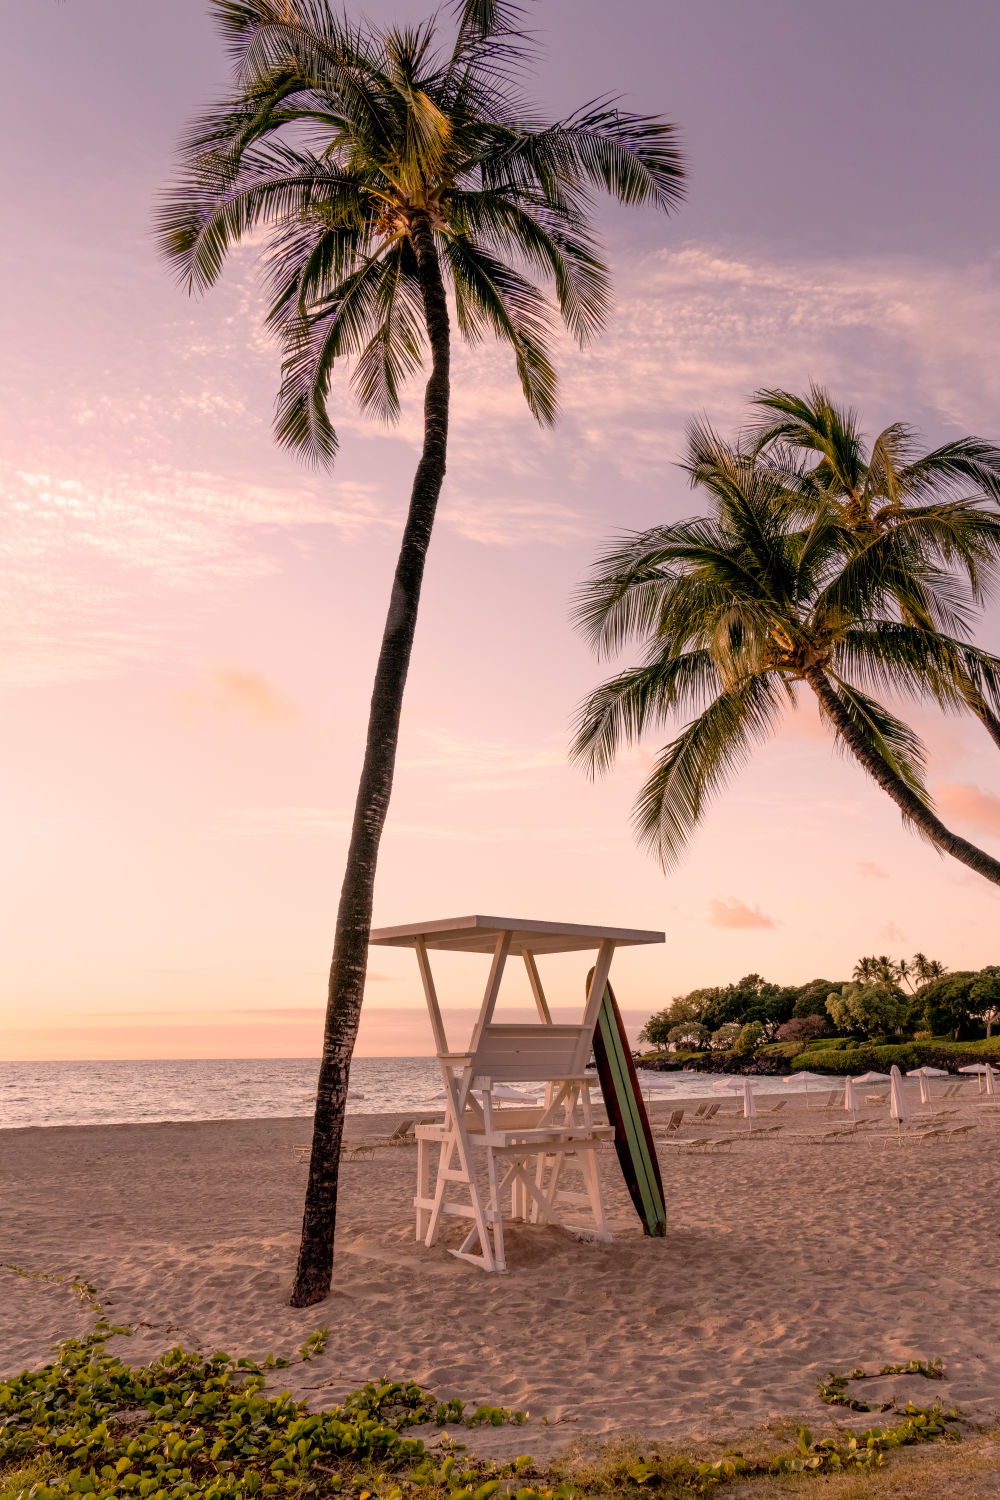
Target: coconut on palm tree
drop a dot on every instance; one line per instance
(893, 497)
(381, 170)
(735, 613)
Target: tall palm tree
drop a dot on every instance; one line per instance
(734, 612)
(891, 495)
(866, 970)
(927, 968)
(382, 168)
(887, 970)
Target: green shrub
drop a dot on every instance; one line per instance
(905, 1055)
(849, 1057)
(781, 1049)
(984, 1048)
(750, 1038)
(834, 1060)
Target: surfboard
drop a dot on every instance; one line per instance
(627, 1113)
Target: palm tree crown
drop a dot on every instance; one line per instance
(735, 611)
(342, 139)
(891, 495)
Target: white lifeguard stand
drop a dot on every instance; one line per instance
(526, 1149)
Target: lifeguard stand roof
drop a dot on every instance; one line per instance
(479, 935)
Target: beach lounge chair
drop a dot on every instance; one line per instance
(402, 1135)
(359, 1151)
(701, 1109)
(781, 1104)
(711, 1110)
(675, 1121)
(525, 1152)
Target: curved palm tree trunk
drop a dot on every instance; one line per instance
(350, 950)
(908, 802)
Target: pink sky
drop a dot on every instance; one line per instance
(190, 618)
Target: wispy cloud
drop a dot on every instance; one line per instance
(87, 554)
(514, 523)
(89, 544)
(474, 764)
(267, 821)
(870, 868)
(697, 330)
(970, 804)
(732, 912)
(228, 692)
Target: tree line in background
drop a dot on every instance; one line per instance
(872, 1006)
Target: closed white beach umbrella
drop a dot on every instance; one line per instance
(899, 1108)
(923, 1074)
(989, 1075)
(745, 1086)
(849, 1100)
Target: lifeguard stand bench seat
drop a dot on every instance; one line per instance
(527, 1149)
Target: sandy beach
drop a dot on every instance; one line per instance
(788, 1255)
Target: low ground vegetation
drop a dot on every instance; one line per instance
(187, 1427)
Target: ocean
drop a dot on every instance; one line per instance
(117, 1093)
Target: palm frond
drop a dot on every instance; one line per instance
(893, 740)
(214, 208)
(695, 766)
(395, 349)
(636, 158)
(344, 325)
(531, 231)
(618, 712)
(954, 466)
(623, 596)
(492, 295)
(922, 663)
(813, 423)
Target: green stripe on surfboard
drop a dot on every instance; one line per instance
(627, 1112)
